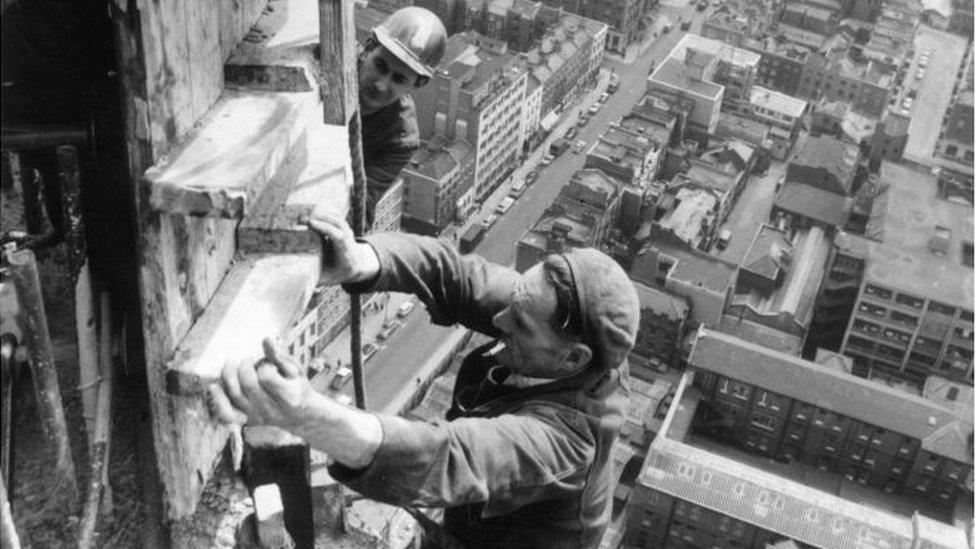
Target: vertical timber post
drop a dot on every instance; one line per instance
(340, 102)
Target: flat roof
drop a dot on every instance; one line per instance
(777, 102)
(724, 52)
(675, 74)
(661, 301)
(786, 507)
(817, 204)
(839, 392)
(903, 221)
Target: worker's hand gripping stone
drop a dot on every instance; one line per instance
(272, 391)
(344, 259)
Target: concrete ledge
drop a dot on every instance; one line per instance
(274, 224)
(261, 296)
(243, 142)
(278, 53)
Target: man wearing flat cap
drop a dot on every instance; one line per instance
(523, 457)
(399, 56)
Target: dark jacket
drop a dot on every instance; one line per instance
(516, 467)
(390, 137)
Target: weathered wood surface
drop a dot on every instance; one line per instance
(278, 52)
(275, 221)
(182, 260)
(241, 145)
(338, 82)
(260, 297)
(22, 268)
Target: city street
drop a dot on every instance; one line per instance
(750, 211)
(394, 366)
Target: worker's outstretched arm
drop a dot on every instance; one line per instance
(465, 289)
(275, 391)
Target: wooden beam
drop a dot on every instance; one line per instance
(275, 222)
(338, 85)
(261, 296)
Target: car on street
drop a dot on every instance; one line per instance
(489, 221)
(533, 175)
(919, 74)
(685, 25)
(907, 102)
(702, 6)
(579, 146)
(604, 97)
(344, 374)
(666, 29)
(593, 109)
(405, 309)
(388, 328)
(516, 189)
(572, 132)
(582, 120)
(504, 205)
(546, 160)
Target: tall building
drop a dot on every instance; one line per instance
(622, 17)
(434, 181)
(710, 73)
(477, 96)
(910, 282)
(566, 55)
(878, 436)
(663, 321)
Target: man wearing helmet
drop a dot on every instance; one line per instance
(396, 59)
(522, 458)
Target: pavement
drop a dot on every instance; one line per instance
(934, 90)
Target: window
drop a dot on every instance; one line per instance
(740, 391)
(913, 302)
(765, 423)
(941, 308)
(903, 318)
(876, 291)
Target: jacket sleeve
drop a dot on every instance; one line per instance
(465, 289)
(504, 462)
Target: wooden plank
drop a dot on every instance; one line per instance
(274, 223)
(338, 83)
(278, 53)
(261, 296)
(242, 143)
(204, 59)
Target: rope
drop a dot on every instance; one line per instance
(358, 229)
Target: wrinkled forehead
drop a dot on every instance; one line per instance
(534, 294)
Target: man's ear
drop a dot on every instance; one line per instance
(579, 356)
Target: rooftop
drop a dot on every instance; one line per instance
(691, 267)
(803, 266)
(842, 393)
(739, 127)
(761, 334)
(807, 10)
(695, 209)
(783, 506)
(662, 302)
(476, 66)
(808, 39)
(579, 232)
(710, 177)
(724, 52)
(777, 102)
(673, 73)
(901, 233)
(825, 207)
(831, 154)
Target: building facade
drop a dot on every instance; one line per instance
(438, 173)
(477, 96)
(783, 406)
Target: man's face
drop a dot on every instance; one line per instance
(533, 347)
(383, 79)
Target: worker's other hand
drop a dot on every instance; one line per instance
(343, 258)
(272, 391)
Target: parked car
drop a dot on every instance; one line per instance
(344, 374)
(579, 146)
(388, 328)
(685, 25)
(593, 109)
(572, 132)
(702, 6)
(923, 61)
(604, 97)
(489, 221)
(533, 175)
(405, 309)
(583, 119)
(919, 74)
(907, 102)
(504, 205)
(724, 238)
(516, 189)
(666, 29)
(546, 160)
